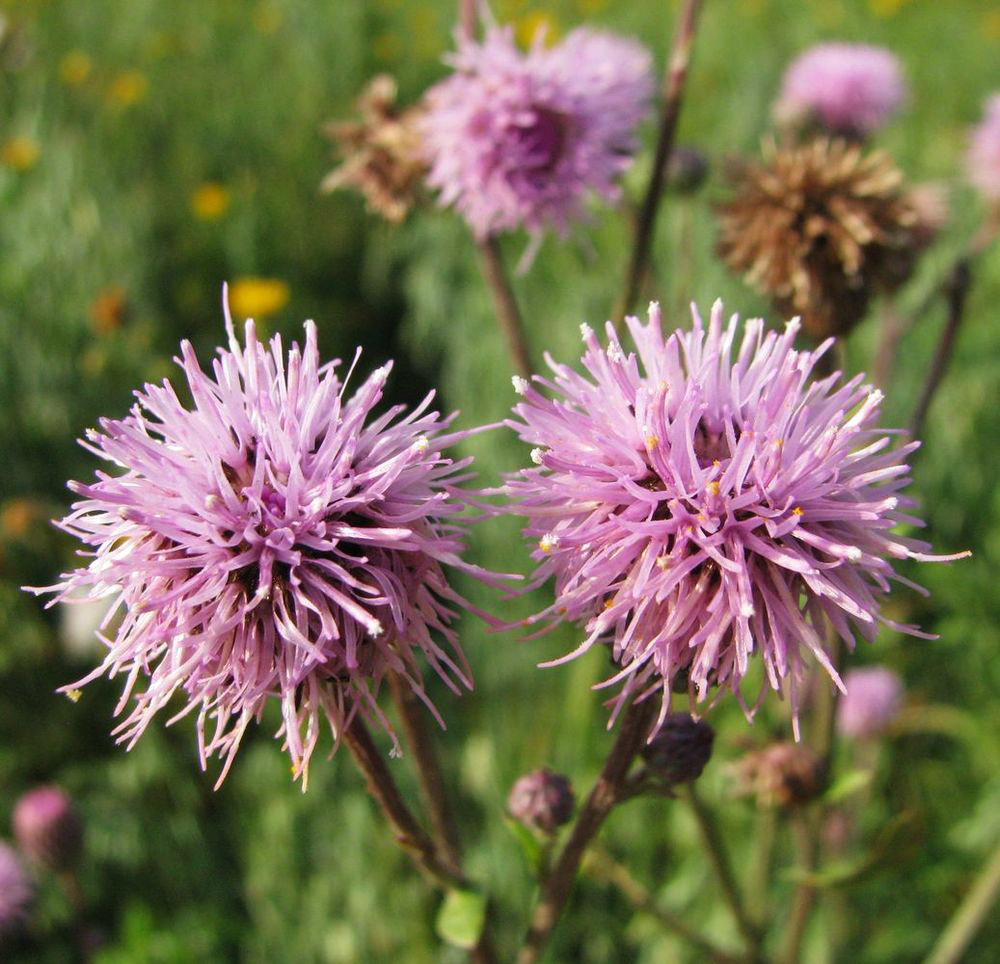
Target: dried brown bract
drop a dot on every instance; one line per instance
(820, 228)
(381, 152)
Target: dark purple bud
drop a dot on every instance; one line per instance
(680, 750)
(48, 828)
(542, 799)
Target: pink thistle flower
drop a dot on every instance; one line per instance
(16, 892)
(697, 511)
(518, 139)
(850, 89)
(275, 539)
(983, 158)
(873, 699)
(48, 828)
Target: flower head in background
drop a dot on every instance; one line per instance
(48, 828)
(277, 538)
(821, 228)
(382, 156)
(16, 891)
(542, 799)
(519, 139)
(846, 89)
(698, 512)
(872, 700)
(983, 158)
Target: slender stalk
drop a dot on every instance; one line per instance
(759, 884)
(969, 916)
(956, 291)
(673, 97)
(718, 855)
(505, 305)
(807, 851)
(409, 834)
(609, 869)
(606, 793)
(467, 18)
(891, 330)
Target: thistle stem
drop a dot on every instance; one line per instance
(409, 834)
(969, 916)
(718, 855)
(615, 873)
(505, 305)
(806, 837)
(673, 97)
(603, 798)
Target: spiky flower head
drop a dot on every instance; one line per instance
(542, 799)
(48, 828)
(381, 153)
(16, 892)
(983, 158)
(846, 89)
(820, 228)
(275, 539)
(873, 699)
(698, 512)
(519, 139)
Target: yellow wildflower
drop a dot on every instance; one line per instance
(74, 68)
(257, 297)
(19, 152)
(210, 201)
(127, 88)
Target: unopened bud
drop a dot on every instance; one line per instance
(542, 799)
(784, 775)
(680, 750)
(48, 828)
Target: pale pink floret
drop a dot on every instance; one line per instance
(276, 539)
(519, 139)
(846, 88)
(983, 158)
(698, 512)
(872, 701)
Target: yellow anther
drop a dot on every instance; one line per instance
(608, 603)
(651, 442)
(713, 488)
(74, 695)
(798, 510)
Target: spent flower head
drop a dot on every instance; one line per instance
(698, 512)
(872, 700)
(276, 538)
(847, 89)
(519, 139)
(983, 158)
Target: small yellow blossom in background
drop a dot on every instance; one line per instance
(19, 152)
(74, 68)
(127, 88)
(108, 309)
(529, 25)
(257, 297)
(210, 201)
(266, 17)
(17, 517)
(886, 8)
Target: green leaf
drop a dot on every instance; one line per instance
(461, 918)
(531, 846)
(847, 785)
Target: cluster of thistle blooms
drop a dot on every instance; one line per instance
(49, 834)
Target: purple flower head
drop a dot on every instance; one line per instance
(983, 158)
(848, 89)
(16, 891)
(48, 828)
(872, 700)
(698, 511)
(274, 539)
(518, 139)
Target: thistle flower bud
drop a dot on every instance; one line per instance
(542, 799)
(48, 828)
(785, 775)
(687, 170)
(16, 892)
(680, 750)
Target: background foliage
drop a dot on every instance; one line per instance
(150, 151)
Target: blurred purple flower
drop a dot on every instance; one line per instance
(48, 828)
(275, 539)
(872, 699)
(518, 139)
(983, 158)
(16, 891)
(850, 89)
(698, 510)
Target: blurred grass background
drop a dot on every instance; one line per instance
(149, 151)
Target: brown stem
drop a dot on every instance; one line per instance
(605, 794)
(505, 305)
(673, 97)
(891, 330)
(806, 837)
(409, 834)
(759, 885)
(718, 855)
(956, 291)
(609, 869)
